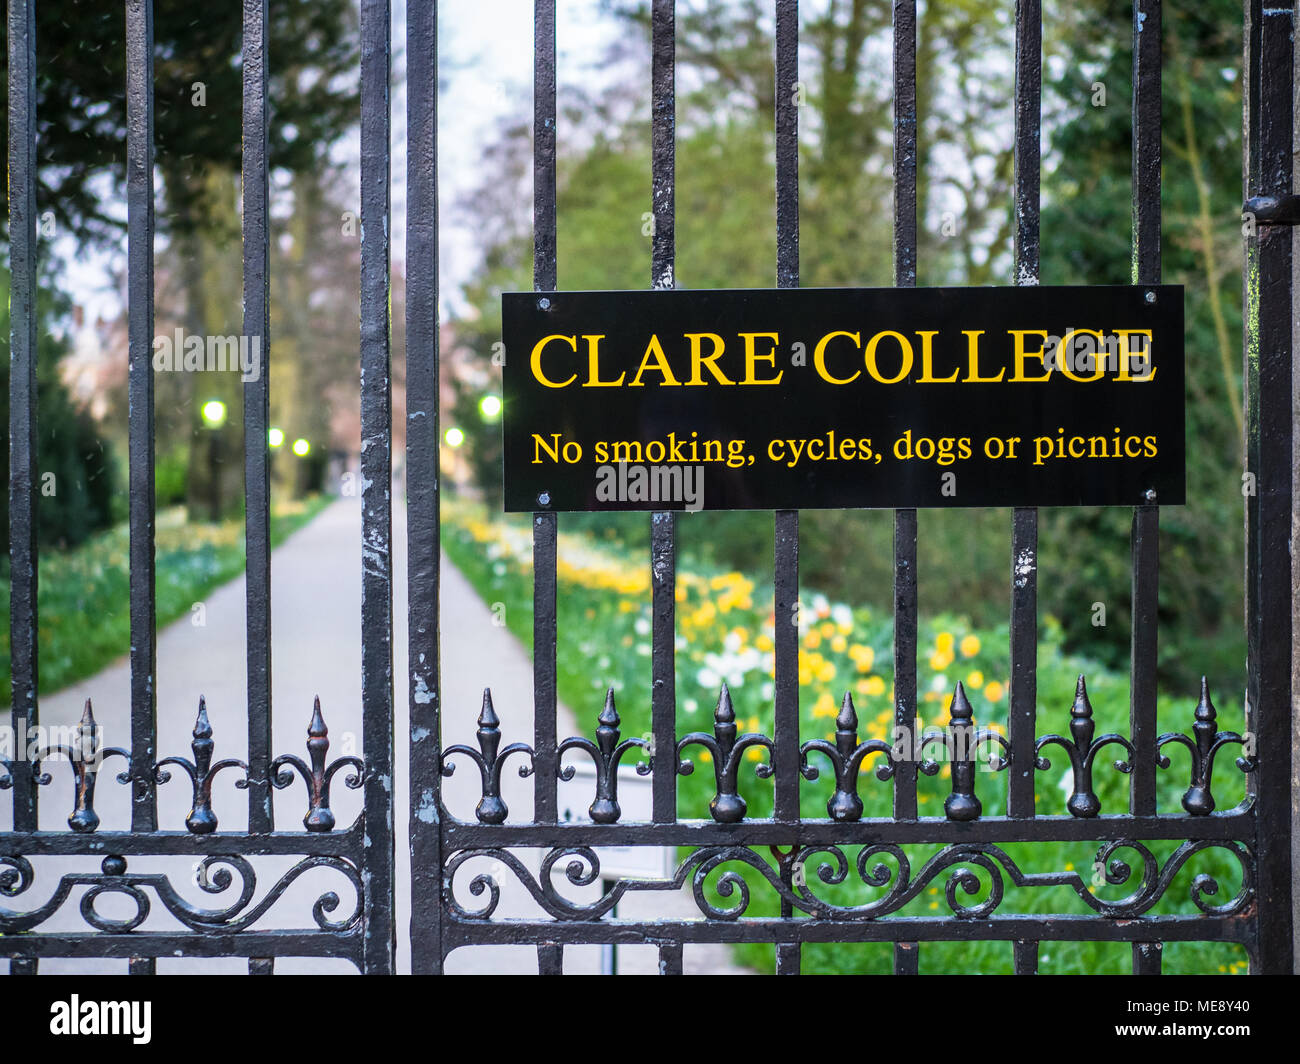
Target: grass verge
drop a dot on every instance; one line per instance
(725, 627)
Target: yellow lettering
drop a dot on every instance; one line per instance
(870, 356)
(819, 357)
(536, 360)
(973, 358)
(593, 365)
(699, 360)
(1021, 356)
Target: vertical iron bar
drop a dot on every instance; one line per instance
(423, 443)
(786, 687)
(670, 959)
(785, 757)
(23, 638)
(1146, 957)
(905, 588)
(550, 957)
(1023, 694)
(663, 546)
(786, 527)
(22, 965)
(1269, 369)
(907, 958)
(1146, 519)
(257, 483)
(261, 966)
(140, 232)
(663, 693)
(1025, 957)
(545, 525)
(376, 497)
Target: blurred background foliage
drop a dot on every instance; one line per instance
(725, 238)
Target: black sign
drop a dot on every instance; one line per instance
(813, 398)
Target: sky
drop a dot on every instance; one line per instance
(486, 64)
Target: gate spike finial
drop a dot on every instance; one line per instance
(487, 716)
(609, 715)
(316, 729)
(847, 720)
(724, 714)
(961, 710)
(202, 726)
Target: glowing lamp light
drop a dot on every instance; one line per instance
(301, 447)
(214, 413)
(275, 437)
(490, 407)
(454, 437)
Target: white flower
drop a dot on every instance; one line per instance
(642, 626)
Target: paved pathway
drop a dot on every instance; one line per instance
(316, 596)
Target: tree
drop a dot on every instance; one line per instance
(76, 489)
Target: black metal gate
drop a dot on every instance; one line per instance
(1257, 833)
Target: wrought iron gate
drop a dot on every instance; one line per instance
(360, 856)
(1257, 833)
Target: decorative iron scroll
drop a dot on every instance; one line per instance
(216, 873)
(961, 742)
(1082, 749)
(963, 862)
(1207, 743)
(214, 876)
(727, 807)
(85, 759)
(490, 760)
(605, 753)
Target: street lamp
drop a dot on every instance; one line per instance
(213, 413)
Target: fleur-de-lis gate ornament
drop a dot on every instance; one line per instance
(85, 758)
(605, 752)
(201, 771)
(961, 741)
(727, 806)
(491, 809)
(1082, 749)
(1198, 799)
(318, 777)
(846, 755)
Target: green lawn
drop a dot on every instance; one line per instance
(725, 625)
(83, 594)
